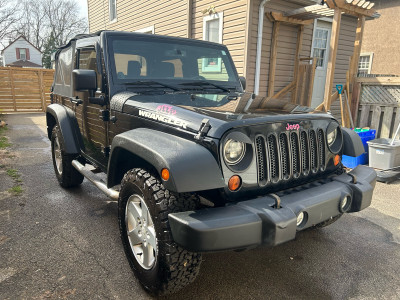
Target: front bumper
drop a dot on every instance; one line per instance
(255, 222)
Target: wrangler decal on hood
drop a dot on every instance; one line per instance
(163, 118)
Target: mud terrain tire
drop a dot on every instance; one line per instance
(66, 174)
(170, 267)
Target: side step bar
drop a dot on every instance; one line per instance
(113, 194)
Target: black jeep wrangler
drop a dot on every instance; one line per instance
(192, 168)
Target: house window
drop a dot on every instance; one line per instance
(365, 64)
(319, 45)
(113, 10)
(22, 54)
(149, 29)
(212, 27)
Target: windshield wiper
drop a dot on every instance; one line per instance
(205, 83)
(148, 84)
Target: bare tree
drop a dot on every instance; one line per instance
(63, 20)
(44, 18)
(8, 17)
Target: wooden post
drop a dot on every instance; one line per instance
(272, 61)
(354, 60)
(332, 58)
(11, 75)
(297, 59)
(42, 91)
(311, 86)
(356, 100)
(357, 49)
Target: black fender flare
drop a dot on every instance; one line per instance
(192, 167)
(352, 144)
(65, 119)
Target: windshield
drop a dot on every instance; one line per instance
(184, 64)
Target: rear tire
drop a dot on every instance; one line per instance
(66, 174)
(161, 266)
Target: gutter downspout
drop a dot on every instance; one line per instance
(190, 18)
(259, 48)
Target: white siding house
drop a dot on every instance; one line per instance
(21, 53)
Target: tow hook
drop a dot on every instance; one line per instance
(277, 204)
(354, 177)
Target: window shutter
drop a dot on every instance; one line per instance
(17, 51)
(28, 57)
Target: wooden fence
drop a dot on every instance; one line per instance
(379, 104)
(25, 89)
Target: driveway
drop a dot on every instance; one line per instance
(57, 243)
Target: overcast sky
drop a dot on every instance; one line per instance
(83, 7)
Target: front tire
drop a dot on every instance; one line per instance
(66, 174)
(161, 266)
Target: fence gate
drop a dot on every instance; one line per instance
(24, 89)
(379, 104)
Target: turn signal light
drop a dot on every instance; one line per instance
(165, 174)
(234, 183)
(336, 160)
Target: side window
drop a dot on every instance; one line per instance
(65, 64)
(112, 10)
(88, 61)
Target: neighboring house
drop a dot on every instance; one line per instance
(235, 23)
(381, 43)
(21, 53)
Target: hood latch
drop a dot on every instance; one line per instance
(204, 128)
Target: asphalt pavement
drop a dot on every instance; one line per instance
(64, 244)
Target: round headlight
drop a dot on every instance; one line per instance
(334, 137)
(233, 151)
(331, 137)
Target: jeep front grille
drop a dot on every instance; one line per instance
(289, 155)
(305, 158)
(321, 149)
(261, 159)
(285, 161)
(273, 158)
(313, 151)
(294, 146)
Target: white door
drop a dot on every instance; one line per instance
(320, 50)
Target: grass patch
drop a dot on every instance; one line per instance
(13, 173)
(16, 190)
(4, 142)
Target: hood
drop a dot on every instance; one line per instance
(187, 111)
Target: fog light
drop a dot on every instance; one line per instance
(345, 204)
(300, 218)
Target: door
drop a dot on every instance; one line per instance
(320, 50)
(94, 130)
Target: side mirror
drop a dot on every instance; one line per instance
(243, 82)
(84, 80)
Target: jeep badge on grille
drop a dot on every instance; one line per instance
(292, 127)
